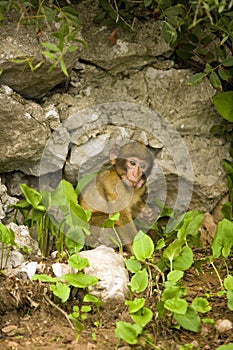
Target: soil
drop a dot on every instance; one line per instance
(31, 319)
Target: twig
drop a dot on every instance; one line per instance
(58, 308)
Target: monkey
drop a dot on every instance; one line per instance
(121, 188)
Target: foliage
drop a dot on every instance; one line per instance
(61, 288)
(53, 215)
(200, 32)
(58, 18)
(7, 241)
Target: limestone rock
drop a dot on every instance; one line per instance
(109, 267)
(5, 201)
(20, 42)
(24, 132)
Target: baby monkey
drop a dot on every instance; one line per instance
(121, 188)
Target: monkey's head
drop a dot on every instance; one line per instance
(133, 163)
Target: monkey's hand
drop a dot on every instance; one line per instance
(148, 214)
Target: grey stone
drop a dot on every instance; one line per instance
(109, 267)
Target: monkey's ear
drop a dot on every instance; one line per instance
(113, 154)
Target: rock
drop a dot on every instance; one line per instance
(27, 270)
(130, 53)
(109, 267)
(24, 138)
(15, 259)
(5, 201)
(23, 239)
(27, 44)
(223, 325)
(60, 269)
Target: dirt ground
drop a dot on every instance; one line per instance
(29, 321)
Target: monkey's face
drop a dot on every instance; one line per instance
(135, 169)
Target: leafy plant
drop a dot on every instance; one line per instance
(7, 241)
(60, 20)
(53, 215)
(61, 288)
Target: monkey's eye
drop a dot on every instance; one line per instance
(132, 162)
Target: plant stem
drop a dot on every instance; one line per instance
(219, 278)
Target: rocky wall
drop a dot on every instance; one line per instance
(117, 92)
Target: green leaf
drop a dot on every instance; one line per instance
(175, 276)
(50, 46)
(225, 347)
(223, 240)
(142, 317)
(63, 67)
(147, 3)
(133, 265)
(90, 299)
(173, 250)
(139, 281)
(76, 262)
(86, 308)
(185, 260)
(228, 62)
(45, 278)
(135, 305)
(201, 305)
(128, 332)
(196, 79)
(190, 320)
(80, 280)
(160, 244)
(224, 75)
(224, 104)
(173, 292)
(215, 81)
(7, 236)
(51, 56)
(228, 282)
(84, 182)
(176, 305)
(61, 290)
(33, 197)
(230, 299)
(227, 211)
(143, 246)
(111, 221)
